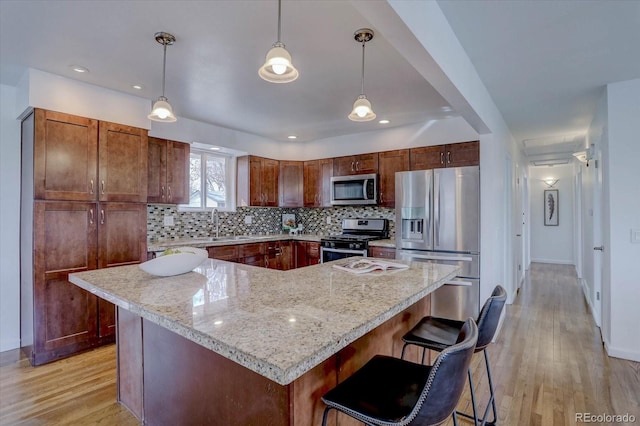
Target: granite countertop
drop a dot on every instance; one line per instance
(389, 243)
(279, 324)
(201, 242)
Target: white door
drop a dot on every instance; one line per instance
(518, 229)
(598, 246)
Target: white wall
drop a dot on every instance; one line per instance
(552, 244)
(621, 216)
(9, 220)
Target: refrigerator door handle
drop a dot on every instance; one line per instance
(459, 283)
(435, 257)
(436, 208)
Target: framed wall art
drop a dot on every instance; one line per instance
(551, 207)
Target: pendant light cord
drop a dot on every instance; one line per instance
(164, 65)
(279, 16)
(362, 81)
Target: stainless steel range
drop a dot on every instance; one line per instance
(354, 240)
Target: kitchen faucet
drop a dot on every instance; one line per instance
(215, 220)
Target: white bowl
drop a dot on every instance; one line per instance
(167, 265)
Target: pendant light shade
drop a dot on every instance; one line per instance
(278, 67)
(161, 110)
(362, 110)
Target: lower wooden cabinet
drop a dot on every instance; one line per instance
(59, 318)
(383, 252)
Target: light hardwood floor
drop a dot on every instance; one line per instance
(548, 364)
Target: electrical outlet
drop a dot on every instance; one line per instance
(635, 236)
(328, 220)
(168, 221)
(248, 220)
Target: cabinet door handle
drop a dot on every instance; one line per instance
(442, 158)
(448, 157)
(91, 216)
(162, 192)
(169, 192)
(91, 186)
(102, 217)
(381, 197)
(353, 166)
(102, 186)
(357, 166)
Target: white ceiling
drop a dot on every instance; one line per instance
(545, 63)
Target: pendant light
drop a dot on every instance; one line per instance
(362, 107)
(161, 110)
(277, 67)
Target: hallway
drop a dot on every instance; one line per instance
(548, 364)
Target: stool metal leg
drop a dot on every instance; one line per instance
(490, 404)
(493, 398)
(324, 416)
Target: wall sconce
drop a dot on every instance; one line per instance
(550, 182)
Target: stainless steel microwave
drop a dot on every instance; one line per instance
(354, 189)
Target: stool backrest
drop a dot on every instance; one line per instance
(490, 316)
(446, 380)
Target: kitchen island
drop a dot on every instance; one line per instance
(237, 344)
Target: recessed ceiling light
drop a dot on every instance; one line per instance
(215, 148)
(292, 320)
(292, 137)
(446, 109)
(137, 87)
(78, 68)
(384, 122)
(219, 322)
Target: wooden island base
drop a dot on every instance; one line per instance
(164, 378)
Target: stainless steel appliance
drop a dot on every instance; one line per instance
(438, 220)
(356, 233)
(355, 189)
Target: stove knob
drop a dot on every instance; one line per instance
(333, 244)
(352, 246)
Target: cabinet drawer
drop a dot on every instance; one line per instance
(253, 249)
(383, 252)
(313, 249)
(229, 253)
(254, 260)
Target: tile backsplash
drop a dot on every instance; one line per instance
(263, 220)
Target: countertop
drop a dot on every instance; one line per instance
(279, 324)
(201, 242)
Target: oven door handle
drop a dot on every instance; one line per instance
(347, 251)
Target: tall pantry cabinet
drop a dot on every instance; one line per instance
(83, 206)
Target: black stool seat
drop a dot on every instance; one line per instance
(386, 389)
(434, 333)
(394, 392)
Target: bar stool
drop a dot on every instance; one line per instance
(440, 333)
(393, 392)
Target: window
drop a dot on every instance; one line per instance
(211, 182)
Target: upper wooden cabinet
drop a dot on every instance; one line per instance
(451, 155)
(80, 159)
(390, 163)
(65, 155)
(355, 164)
(122, 163)
(290, 183)
(317, 182)
(168, 172)
(258, 181)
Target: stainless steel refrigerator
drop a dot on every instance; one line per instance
(438, 220)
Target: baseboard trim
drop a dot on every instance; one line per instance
(621, 353)
(585, 292)
(554, 261)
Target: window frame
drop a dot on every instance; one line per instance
(230, 181)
